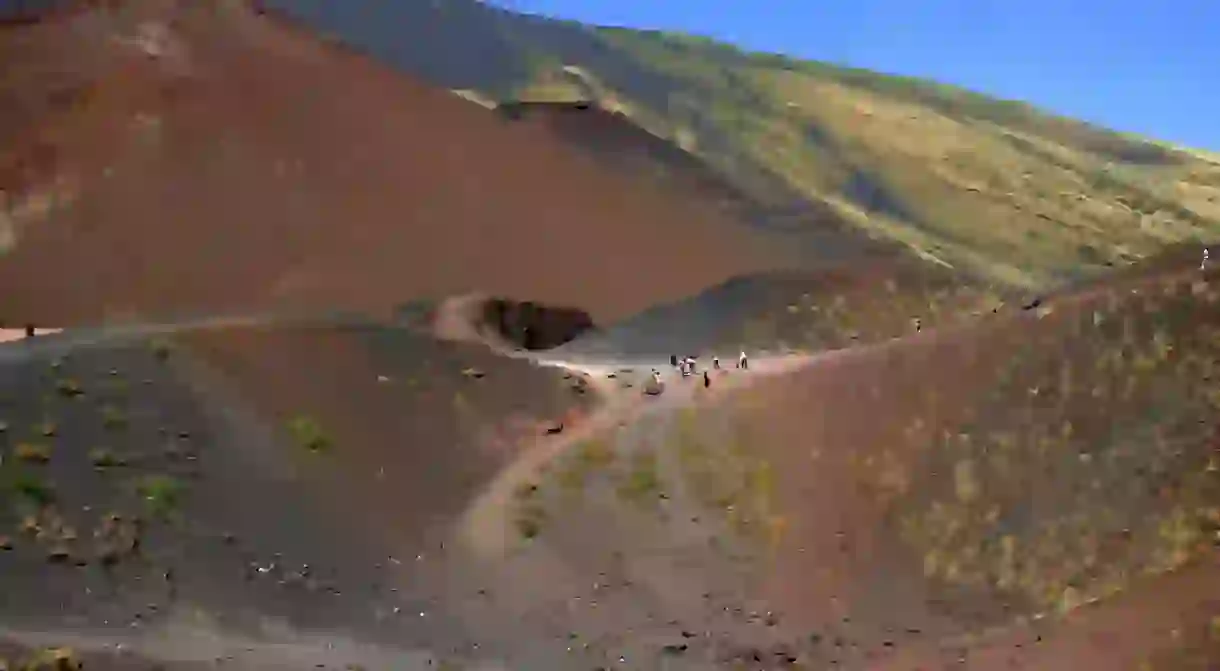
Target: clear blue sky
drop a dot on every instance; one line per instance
(1150, 67)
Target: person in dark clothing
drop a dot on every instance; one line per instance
(673, 360)
(707, 381)
(29, 330)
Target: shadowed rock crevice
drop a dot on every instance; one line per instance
(533, 326)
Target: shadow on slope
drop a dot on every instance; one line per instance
(616, 140)
(220, 121)
(869, 300)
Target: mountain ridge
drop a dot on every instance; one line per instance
(997, 187)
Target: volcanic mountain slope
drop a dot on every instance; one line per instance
(958, 483)
(266, 482)
(901, 501)
(765, 204)
(197, 157)
(991, 186)
(839, 305)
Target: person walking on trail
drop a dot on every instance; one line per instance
(715, 363)
(707, 381)
(1203, 264)
(673, 360)
(690, 362)
(742, 362)
(656, 376)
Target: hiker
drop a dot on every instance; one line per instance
(690, 361)
(29, 330)
(656, 376)
(707, 381)
(1203, 264)
(742, 363)
(716, 363)
(673, 360)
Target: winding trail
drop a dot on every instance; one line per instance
(485, 527)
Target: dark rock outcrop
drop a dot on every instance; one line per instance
(532, 326)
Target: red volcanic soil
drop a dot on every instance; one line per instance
(1070, 418)
(250, 164)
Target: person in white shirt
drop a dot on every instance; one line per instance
(1203, 264)
(742, 363)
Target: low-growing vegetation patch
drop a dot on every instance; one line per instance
(724, 475)
(34, 453)
(30, 489)
(162, 495)
(69, 387)
(1097, 461)
(103, 458)
(308, 433)
(113, 417)
(529, 520)
(589, 458)
(160, 348)
(641, 484)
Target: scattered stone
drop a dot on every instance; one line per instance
(59, 554)
(31, 526)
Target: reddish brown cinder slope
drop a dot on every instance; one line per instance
(250, 165)
(1095, 413)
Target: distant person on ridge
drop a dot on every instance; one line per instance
(742, 363)
(673, 360)
(707, 381)
(716, 363)
(1203, 264)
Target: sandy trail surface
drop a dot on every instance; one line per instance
(485, 527)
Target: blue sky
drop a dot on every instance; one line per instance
(1149, 67)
